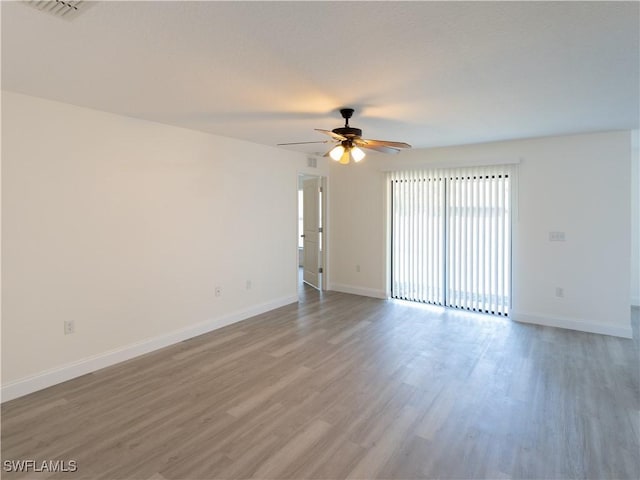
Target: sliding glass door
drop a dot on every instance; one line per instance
(451, 238)
(418, 238)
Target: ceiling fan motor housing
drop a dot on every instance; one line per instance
(348, 132)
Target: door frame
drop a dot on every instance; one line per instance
(324, 252)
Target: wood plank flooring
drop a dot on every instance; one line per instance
(340, 386)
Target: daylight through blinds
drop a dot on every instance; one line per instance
(451, 237)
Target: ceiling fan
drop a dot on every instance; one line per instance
(350, 142)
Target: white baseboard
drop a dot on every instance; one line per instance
(365, 292)
(572, 324)
(66, 372)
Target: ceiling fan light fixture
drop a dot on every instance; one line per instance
(336, 152)
(357, 154)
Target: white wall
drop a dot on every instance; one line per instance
(576, 184)
(356, 229)
(126, 227)
(635, 218)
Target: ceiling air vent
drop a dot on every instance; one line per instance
(66, 9)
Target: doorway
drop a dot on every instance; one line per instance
(311, 231)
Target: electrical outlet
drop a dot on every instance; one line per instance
(249, 285)
(69, 327)
(556, 237)
(218, 291)
(358, 268)
(559, 292)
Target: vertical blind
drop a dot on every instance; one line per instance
(451, 237)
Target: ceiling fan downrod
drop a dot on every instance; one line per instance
(346, 113)
(347, 131)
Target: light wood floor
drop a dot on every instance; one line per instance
(342, 386)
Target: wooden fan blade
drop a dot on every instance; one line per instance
(380, 148)
(382, 143)
(302, 143)
(331, 134)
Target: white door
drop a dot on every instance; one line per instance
(311, 231)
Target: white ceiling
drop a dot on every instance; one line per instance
(427, 73)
